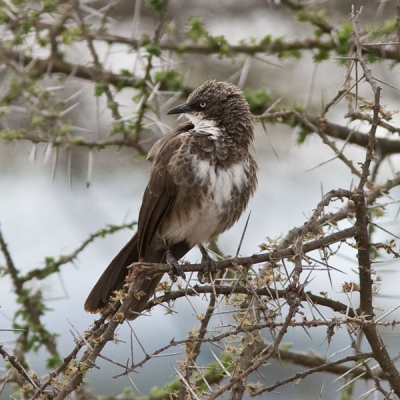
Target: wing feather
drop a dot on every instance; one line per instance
(160, 194)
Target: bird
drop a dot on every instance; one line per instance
(201, 179)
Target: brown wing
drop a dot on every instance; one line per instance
(157, 201)
(160, 194)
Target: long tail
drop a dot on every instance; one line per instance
(113, 278)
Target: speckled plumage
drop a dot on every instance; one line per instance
(201, 179)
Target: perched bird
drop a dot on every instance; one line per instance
(201, 179)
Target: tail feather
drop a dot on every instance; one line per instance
(113, 278)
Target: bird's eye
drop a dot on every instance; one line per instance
(202, 104)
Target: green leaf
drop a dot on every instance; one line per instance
(157, 5)
(257, 99)
(53, 361)
(153, 49)
(171, 80)
(99, 88)
(196, 30)
(322, 55)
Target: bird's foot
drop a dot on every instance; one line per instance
(209, 267)
(175, 268)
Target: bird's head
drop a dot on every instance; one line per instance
(218, 104)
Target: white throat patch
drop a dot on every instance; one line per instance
(208, 126)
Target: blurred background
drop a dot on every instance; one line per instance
(53, 199)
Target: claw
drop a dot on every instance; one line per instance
(208, 264)
(175, 268)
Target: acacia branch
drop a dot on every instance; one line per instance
(32, 306)
(271, 293)
(39, 67)
(324, 367)
(362, 237)
(54, 265)
(272, 256)
(385, 146)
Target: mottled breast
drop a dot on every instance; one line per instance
(216, 178)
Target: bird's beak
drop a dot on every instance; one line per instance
(181, 109)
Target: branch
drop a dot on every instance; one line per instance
(385, 146)
(32, 307)
(270, 292)
(272, 256)
(54, 265)
(371, 332)
(324, 367)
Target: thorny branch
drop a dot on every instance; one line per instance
(90, 355)
(362, 237)
(267, 301)
(54, 265)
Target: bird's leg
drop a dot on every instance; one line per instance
(208, 264)
(175, 268)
